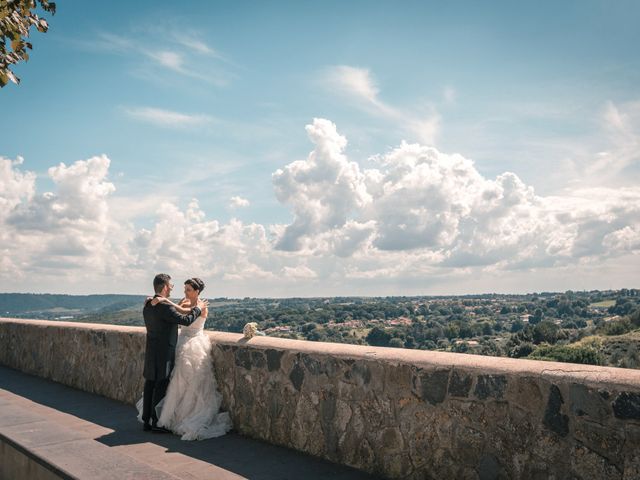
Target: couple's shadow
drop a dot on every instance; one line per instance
(232, 452)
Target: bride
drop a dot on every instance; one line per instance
(192, 403)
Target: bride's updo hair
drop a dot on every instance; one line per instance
(195, 283)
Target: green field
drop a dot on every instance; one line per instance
(603, 304)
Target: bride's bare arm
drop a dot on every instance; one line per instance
(181, 308)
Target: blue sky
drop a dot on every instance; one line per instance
(210, 101)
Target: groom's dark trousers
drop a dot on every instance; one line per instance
(154, 392)
(162, 323)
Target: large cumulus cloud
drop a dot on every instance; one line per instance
(68, 229)
(322, 190)
(438, 208)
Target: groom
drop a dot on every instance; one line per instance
(162, 322)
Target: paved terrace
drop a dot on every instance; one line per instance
(90, 436)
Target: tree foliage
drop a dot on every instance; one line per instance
(16, 19)
(546, 331)
(378, 337)
(569, 354)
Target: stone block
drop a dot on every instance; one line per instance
(243, 358)
(527, 394)
(297, 376)
(554, 419)
(312, 365)
(398, 380)
(627, 406)
(490, 386)
(258, 359)
(588, 402)
(433, 386)
(588, 464)
(273, 359)
(359, 373)
(605, 440)
(460, 384)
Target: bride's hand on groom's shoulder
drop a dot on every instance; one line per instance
(204, 307)
(150, 301)
(202, 304)
(157, 300)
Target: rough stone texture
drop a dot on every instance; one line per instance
(397, 413)
(627, 405)
(103, 359)
(554, 419)
(490, 386)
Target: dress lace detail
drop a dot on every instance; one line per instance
(192, 403)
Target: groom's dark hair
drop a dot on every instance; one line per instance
(160, 281)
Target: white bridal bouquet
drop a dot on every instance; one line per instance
(250, 330)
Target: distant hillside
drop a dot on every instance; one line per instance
(34, 305)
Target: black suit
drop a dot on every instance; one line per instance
(162, 322)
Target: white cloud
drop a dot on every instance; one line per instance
(321, 190)
(171, 60)
(238, 202)
(625, 239)
(426, 129)
(621, 124)
(15, 186)
(439, 207)
(165, 50)
(564, 147)
(81, 195)
(110, 42)
(122, 45)
(68, 229)
(354, 81)
(299, 272)
(185, 243)
(196, 45)
(167, 118)
(358, 85)
(419, 219)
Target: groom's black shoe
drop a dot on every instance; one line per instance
(158, 429)
(147, 427)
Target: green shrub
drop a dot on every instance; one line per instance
(568, 354)
(521, 350)
(617, 327)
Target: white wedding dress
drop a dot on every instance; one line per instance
(192, 403)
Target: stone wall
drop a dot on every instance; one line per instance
(398, 413)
